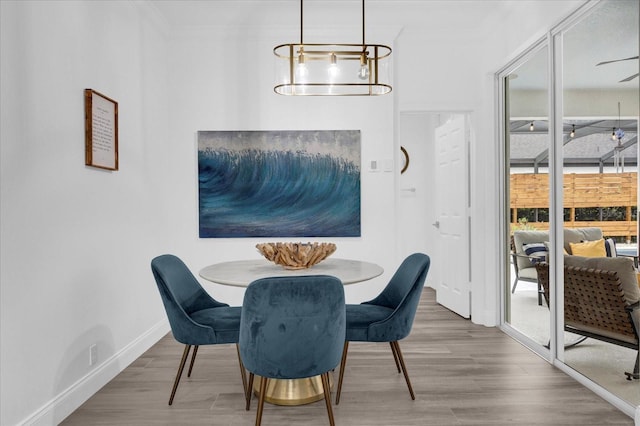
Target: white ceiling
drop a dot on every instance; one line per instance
(611, 33)
(432, 14)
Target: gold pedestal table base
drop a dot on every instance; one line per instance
(292, 391)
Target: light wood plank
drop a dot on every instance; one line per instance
(462, 374)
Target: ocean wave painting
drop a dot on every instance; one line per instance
(279, 183)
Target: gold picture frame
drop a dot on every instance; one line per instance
(101, 130)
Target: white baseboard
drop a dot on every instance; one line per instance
(637, 421)
(67, 401)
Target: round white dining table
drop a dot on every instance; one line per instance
(241, 273)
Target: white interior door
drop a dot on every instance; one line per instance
(453, 285)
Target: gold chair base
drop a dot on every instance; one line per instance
(292, 391)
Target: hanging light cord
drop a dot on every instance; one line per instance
(363, 24)
(302, 24)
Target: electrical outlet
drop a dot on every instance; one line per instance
(93, 354)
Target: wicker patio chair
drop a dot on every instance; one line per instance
(595, 307)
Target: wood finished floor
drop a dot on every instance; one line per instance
(462, 374)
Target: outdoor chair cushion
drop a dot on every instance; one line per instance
(571, 235)
(589, 248)
(610, 247)
(537, 252)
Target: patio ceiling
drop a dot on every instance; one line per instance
(592, 145)
(597, 97)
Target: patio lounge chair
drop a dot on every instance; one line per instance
(601, 300)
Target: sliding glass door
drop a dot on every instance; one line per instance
(527, 138)
(599, 137)
(571, 106)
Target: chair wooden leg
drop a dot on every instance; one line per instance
(247, 394)
(327, 396)
(183, 361)
(263, 390)
(395, 357)
(404, 368)
(243, 373)
(193, 359)
(343, 364)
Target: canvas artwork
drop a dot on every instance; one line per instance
(279, 183)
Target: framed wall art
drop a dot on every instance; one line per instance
(279, 183)
(101, 130)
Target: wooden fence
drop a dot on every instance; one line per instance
(580, 191)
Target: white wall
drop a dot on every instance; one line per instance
(227, 84)
(76, 242)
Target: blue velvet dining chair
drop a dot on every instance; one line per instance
(292, 328)
(389, 316)
(195, 317)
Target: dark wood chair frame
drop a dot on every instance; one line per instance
(594, 300)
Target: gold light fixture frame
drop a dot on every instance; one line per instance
(314, 69)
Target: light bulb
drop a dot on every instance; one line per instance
(301, 68)
(363, 73)
(333, 66)
(573, 130)
(531, 128)
(613, 134)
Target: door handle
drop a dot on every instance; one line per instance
(436, 224)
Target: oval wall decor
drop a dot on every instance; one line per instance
(405, 160)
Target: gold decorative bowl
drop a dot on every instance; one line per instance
(296, 255)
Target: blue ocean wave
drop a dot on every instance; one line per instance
(257, 193)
